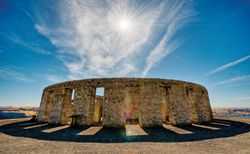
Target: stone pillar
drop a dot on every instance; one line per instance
(98, 109)
(132, 100)
(40, 117)
(56, 108)
(178, 105)
(83, 105)
(48, 106)
(192, 104)
(150, 104)
(164, 105)
(66, 112)
(200, 106)
(97, 114)
(113, 106)
(207, 107)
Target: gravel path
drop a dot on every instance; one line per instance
(221, 136)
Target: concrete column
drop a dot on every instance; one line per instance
(40, 117)
(164, 105)
(200, 106)
(83, 105)
(66, 112)
(150, 104)
(178, 105)
(98, 111)
(192, 104)
(56, 107)
(132, 100)
(48, 106)
(113, 106)
(207, 107)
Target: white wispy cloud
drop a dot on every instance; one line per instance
(177, 16)
(243, 98)
(239, 85)
(31, 45)
(54, 78)
(228, 65)
(234, 79)
(13, 74)
(89, 43)
(24, 11)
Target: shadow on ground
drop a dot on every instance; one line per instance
(132, 133)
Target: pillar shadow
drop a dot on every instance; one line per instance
(117, 135)
(217, 125)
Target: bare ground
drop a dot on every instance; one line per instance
(220, 136)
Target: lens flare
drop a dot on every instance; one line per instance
(124, 25)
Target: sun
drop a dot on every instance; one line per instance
(124, 25)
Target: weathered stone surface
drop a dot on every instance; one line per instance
(164, 105)
(48, 107)
(56, 107)
(203, 111)
(147, 101)
(192, 96)
(66, 111)
(113, 106)
(83, 105)
(208, 110)
(98, 110)
(178, 105)
(41, 113)
(132, 100)
(150, 105)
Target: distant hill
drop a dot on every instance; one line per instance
(231, 112)
(9, 112)
(16, 108)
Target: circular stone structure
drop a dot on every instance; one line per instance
(147, 101)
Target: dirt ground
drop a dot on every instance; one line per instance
(220, 136)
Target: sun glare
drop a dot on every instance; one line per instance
(124, 25)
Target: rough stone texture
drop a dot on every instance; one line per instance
(98, 109)
(113, 106)
(192, 95)
(147, 101)
(150, 105)
(83, 105)
(201, 107)
(208, 110)
(56, 103)
(132, 100)
(164, 105)
(66, 111)
(48, 106)
(178, 105)
(40, 117)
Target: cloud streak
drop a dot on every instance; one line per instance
(229, 65)
(30, 45)
(12, 74)
(54, 78)
(90, 44)
(176, 17)
(234, 79)
(243, 98)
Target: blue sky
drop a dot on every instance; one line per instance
(201, 41)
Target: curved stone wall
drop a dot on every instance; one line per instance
(150, 102)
